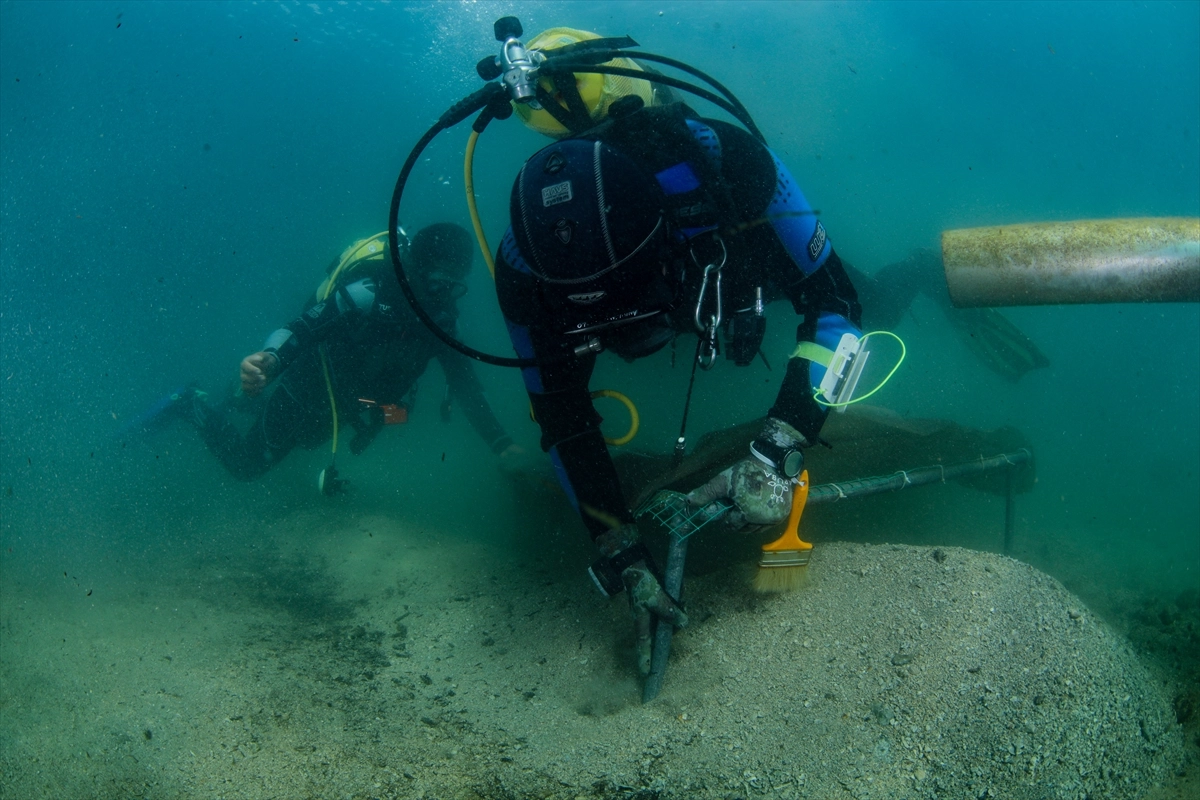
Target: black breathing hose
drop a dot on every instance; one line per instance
(454, 115)
(494, 93)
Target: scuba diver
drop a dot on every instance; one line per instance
(358, 345)
(639, 223)
(643, 221)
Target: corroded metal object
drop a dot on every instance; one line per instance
(1142, 260)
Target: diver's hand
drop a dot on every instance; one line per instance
(646, 596)
(759, 486)
(516, 461)
(760, 496)
(257, 371)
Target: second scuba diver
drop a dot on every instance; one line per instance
(357, 344)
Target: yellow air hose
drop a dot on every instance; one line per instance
(332, 402)
(634, 419)
(469, 184)
(362, 250)
(481, 237)
(323, 293)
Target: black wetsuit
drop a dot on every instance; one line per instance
(774, 241)
(375, 348)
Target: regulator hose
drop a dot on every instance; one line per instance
(453, 115)
(492, 99)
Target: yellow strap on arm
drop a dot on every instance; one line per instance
(824, 356)
(813, 352)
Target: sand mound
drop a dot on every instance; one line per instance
(899, 672)
(910, 672)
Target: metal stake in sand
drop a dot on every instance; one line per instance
(663, 631)
(671, 510)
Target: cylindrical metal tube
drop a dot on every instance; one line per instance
(861, 487)
(1143, 260)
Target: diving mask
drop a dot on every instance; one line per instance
(443, 285)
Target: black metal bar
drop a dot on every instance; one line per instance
(861, 487)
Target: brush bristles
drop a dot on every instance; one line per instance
(777, 580)
(781, 571)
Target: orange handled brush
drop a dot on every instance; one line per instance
(784, 561)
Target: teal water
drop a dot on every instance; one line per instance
(174, 177)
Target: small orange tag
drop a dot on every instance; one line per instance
(394, 415)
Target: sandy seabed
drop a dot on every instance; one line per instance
(348, 657)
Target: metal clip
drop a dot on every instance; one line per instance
(711, 348)
(706, 356)
(708, 271)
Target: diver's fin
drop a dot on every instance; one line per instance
(176, 404)
(997, 342)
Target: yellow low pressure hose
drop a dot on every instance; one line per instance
(332, 402)
(469, 184)
(358, 252)
(481, 237)
(634, 419)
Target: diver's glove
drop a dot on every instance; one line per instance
(627, 564)
(518, 463)
(760, 486)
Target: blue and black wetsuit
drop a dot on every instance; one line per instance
(376, 348)
(774, 242)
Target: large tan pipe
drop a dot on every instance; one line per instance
(1144, 260)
